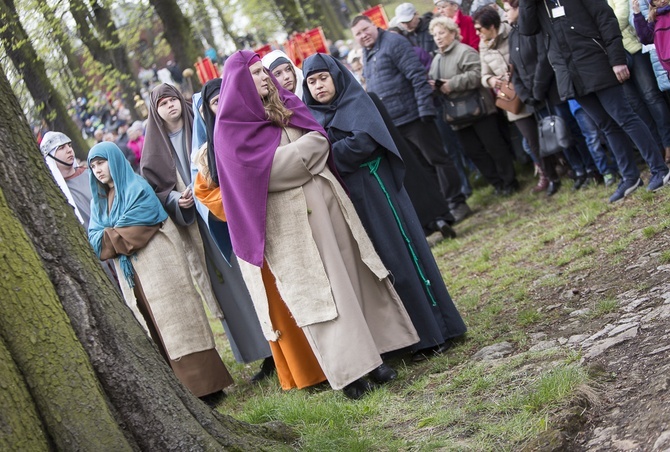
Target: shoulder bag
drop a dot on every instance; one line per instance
(506, 96)
(553, 133)
(462, 108)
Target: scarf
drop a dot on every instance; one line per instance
(276, 58)
(245, 143)
(134, 204)
(158, 165)
(211, 89)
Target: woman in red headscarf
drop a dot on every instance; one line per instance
(288, 211)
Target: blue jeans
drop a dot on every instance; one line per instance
(591, 134)
(611, 112)
(578, 155)
(644, 96)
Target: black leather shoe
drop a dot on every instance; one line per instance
(357, 389)
(553, 187)
(579, 181)
(267, 369)
(460, 212)
(383, 374)
(446, 230)
(444, 347)
(212, 400)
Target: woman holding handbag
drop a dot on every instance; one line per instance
(494, 53)
(455, 73)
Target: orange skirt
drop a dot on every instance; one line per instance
(297, 366)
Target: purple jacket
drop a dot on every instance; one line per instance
(657, 32)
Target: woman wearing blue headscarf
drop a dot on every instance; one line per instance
(129, 224)
(367, 159)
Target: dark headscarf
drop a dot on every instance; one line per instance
(157, 164)
(211, 89)
(351, 109)
(245, 142)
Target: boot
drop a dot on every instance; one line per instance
(267, 369)
(358, 389)
(667, 154)
(553, 187)
(542, 183)
(383, 374)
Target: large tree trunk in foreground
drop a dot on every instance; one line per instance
(86, 375)
(24, 57)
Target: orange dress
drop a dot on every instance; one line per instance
(297, 367)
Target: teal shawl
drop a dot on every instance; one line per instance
(134, 204)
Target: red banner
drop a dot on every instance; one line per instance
(378, 16)
(206, 70)
(302, 45)
(264, 50)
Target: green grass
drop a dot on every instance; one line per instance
(511, 260)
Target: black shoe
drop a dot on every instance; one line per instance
(383, 374)
(267, 369)
(460, 212)
(357, 389)
(213, 399)
(444, 347)
(580, 181)
(553, 187)
(446, 230)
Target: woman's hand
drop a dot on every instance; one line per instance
(495, 82)
(445, 89)
(186, 200)
(636, 6)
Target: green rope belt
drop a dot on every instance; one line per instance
(373, 166)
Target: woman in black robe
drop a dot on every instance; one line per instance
(368, 161)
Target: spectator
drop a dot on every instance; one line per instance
(288, 75)
(416, 26)
(135, 144)
(458, 68)
(451, 9)
(598, 91)
(393, 71)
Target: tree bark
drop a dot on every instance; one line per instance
(203, 21)
(179, 34)
(106, 49)
(224, 22)
(48, 258)
(48, 101)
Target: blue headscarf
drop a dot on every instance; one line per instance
(134, 204)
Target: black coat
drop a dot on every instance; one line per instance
(583, 45)
(533, 77)
(421, 37)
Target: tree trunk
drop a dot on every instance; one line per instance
(48, 101)
(224, 22)
(292, 17)
(52, 282)
(203, 21)
(178, 33)
(108, 51)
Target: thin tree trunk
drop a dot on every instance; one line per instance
(224, 22)
(48, 101)
(108, 51)
(155, 411)
(203, 21)
(179, 34)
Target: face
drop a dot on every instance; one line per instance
(214, 103)
(356, 65)
(447, 9)
(169, 109)
(64, 153)
(285, 76)
(485, 34)
(100, 168)
(261, 78)
(365, 33)
(512, 13)
(412, 24)
(660, 3)
(443, 37)
(321, 87)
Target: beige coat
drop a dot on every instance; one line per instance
(327, 271)
(494, 56)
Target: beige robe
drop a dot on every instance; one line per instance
(327, 271)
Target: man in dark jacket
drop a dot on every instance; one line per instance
(416, 27)
(393, 71)
(583, 39)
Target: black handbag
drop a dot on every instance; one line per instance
(464, 109)
(553, 133)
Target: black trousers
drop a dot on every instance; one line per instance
(485, 146)
(425, 141)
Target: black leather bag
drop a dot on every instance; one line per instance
(464, 109)
(554, 134)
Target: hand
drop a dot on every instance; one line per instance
(621, 72)
(186, 200)
(428, 119)
(445, 89)
(636, 6)
(495, 82)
